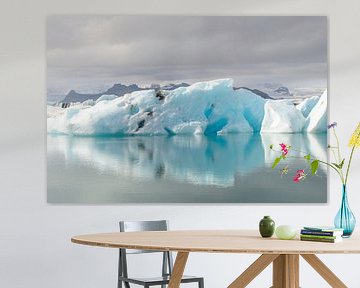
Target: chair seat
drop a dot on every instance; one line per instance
(158, 280)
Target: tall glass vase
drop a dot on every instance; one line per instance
(345, 219)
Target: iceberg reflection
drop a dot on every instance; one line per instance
(194, 159)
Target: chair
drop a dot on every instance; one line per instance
(167, 262)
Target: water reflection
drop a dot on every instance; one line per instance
(199, 160)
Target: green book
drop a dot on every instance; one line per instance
(319, 236)
(324, 240)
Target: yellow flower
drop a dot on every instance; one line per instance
(355, 138)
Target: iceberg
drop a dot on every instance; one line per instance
(281, 116)
(211, 107)
(316, 122)
(208, 108)
(253, 108)
(307, 105)
(54, 111)
(89, 102)
(105, 98)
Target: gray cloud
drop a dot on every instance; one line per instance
(98, 50)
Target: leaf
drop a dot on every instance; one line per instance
(342, 163)
(336, 165)
(307, 157)
(314, 166)
(276, 162)
(271, 146)
(339, 166)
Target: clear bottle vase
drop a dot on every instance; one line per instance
(345, 219)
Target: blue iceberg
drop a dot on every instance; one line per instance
(208, 108)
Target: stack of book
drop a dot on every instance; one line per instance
(321, 234)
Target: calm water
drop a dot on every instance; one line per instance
(180, 169)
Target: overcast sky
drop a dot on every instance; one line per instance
(92, 52)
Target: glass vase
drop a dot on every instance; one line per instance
(345, 219)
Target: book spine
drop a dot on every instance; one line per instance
(318, 236)
(317, 239)
(320, 233)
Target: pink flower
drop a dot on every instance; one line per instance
(300, 175)
(284, 149)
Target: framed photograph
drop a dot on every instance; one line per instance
(184, 109)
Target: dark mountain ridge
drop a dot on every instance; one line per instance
(118, 90)
(121, 89)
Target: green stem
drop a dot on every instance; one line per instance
(323, 162)
(348, 167)
(336, 169)
(339, 154)
(302, 152)
(333, 152)
(338, 145)
(339, 169)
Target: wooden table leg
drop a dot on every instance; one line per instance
(253, 270)
(324, 271)
(286, 271)
(178, 269)
(293, 264)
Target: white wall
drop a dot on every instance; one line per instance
(35, 248)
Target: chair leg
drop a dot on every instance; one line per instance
(119, 270)
(201, 283)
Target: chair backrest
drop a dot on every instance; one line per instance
(138, 226)
(133, 226)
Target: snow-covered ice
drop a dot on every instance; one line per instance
(307, 105)
(54, 111)
(316, 122)
(106, 98)
(211, 107)
(282, 117)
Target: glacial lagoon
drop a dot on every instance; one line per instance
(233, 168)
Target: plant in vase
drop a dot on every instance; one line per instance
(344, 219)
